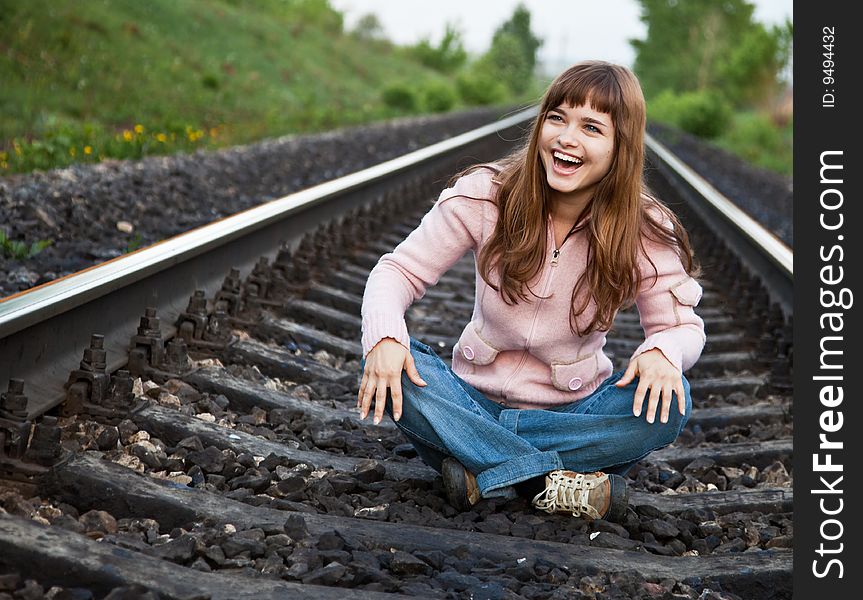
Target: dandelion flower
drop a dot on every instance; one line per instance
(139, 129)
(127, 135)
(88, 150)
(161, 137)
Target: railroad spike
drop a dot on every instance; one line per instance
(258, 281)
(87, 384)
(177, 355)
(120, 394)
(14, 426)
(228, 298)
(146, 348)
(13, 439)
(218, 327)
(192, 323)
(13, 403)
(45, 448)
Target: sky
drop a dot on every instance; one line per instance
(572, 30)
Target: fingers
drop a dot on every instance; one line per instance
(380, 403)
(366, 398)
(666, 403)
(363, 383)
(660, 398)
(412, 373)
(640, 392)
(396, 395)
(628, 376)
(655, 391)
(681, 397)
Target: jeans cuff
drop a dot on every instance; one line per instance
(518, 469)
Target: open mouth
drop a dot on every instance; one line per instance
(565, 164)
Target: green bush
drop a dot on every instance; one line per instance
(448, 56)
(400, 97)
(704, 113)
(757, 139)
(478, 87)
(438, 97)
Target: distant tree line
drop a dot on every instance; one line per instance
(502, 73)
(702, 60)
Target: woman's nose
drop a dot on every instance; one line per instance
(568, 138)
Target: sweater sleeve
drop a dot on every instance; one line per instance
(666, 307)
(451, 228)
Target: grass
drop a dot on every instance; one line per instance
(85, 81)
(756, 138)
(20, 250)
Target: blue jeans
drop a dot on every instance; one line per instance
(501, 446)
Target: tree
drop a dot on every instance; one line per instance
(698, 45)
(518, 26)
(507, 62)
(513, 51)
(369, 29)
(749, 72)
(447, 57)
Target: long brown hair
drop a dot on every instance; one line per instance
(616, 217)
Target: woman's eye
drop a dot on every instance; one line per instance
(592, 129)
(555, 117)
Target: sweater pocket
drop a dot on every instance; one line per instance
(570, 376)
(473, 348)
(687, 292)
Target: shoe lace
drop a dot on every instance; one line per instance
(565, 493)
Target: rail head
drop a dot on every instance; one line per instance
(774, 248)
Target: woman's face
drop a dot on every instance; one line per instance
(576, 145)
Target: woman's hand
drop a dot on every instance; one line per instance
(656, 373)
(383, 369)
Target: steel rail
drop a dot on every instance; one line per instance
(43, 331)
(757, 247)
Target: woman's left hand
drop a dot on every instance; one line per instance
(656, 373)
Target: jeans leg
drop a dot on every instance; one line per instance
(599, 433)
(451, 418)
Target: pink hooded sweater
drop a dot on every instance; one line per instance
(524, 355)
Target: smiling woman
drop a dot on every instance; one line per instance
(564, 231)
(576, 145)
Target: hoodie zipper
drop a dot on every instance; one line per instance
(552, 263)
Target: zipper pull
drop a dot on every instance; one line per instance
(554, 254)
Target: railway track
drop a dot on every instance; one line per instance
(180, 422)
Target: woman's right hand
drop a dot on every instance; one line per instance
(384, 365)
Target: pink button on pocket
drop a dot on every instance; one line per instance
(468, 352)
(575, 383)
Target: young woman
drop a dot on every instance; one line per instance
(564, 234)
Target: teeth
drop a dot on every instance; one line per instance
(567, 158)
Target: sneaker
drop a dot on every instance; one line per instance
(460, 485)
(591, 495)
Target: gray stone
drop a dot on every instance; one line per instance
(660, 528)
(179, 550)
(328, 575)
(404, 564)
(210, 459)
